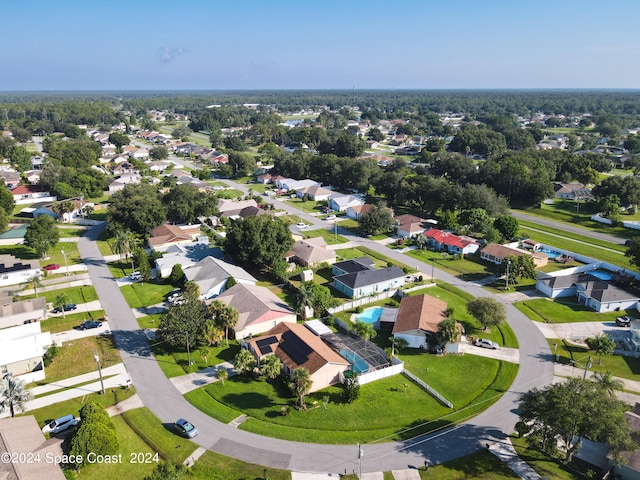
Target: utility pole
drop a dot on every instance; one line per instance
(360, 455)
(587, 367)
(433, 266)
(66, 266)
(95, 357)
(508, 265)
(188, 352)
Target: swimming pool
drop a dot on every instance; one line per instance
(601, 274)
(551, 253)
(370, 315)
(358, 364)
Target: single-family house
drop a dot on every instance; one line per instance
(314, 192)
(29, 194)
(454, 244)
(23, 311)
(165, 235)
(124, 168)
(21, 351)
(36, 162)
(362, 280)
(629, 467)
(572, 191)
(496, 253)
(340, 202)
(417, 320)
(158, 165)
(11, 178)
(211, 275)
(259, 309)
(291, 184)
(297, 347)
(23, 435)
(229, 208)
(14, 270)
(408, 226)
(356, 211)
(311, 251)
(185, 255)
(117, 184)
(32, 176)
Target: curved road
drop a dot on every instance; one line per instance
(161, 397)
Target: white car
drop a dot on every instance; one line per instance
(302, 225)
(135, 276)
(60, 424)
(330, 217)
(485, 343)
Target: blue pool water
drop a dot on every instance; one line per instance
(359, 365)
(550, 253)
(600, 274)
(370, 315)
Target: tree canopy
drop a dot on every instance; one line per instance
(42, 234)
(184, 204)
(137, 208)
(487, 311)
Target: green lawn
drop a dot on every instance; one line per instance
(75, 295)
(573, 236)
(76, 358)
(141, 294)
(130, 443)
(549, 467)
(70, 320)
(150, 321)
(562, 310)
(619, 366)
(175, 362)
(158, 436)
(469, 269)
(71, 232)
(328, 235)
(215, 465)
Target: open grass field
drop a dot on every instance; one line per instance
(562, 310)
(469, 269)
(77, 295)
(142, 294)
(175, 362)
(329, 236)
(216, 465)
(76, 357)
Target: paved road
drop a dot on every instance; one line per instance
(569, 228)
(160, 396)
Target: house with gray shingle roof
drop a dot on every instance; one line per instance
(311, 251)
(360, 280)
(211, 275)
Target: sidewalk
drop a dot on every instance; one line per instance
(505, 452)
(191, 381)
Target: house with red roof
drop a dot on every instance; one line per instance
(30, 194)
(451, 243)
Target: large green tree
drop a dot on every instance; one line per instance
(119, 139)
(185, 203)
(183, 325)
(137, 208)
(379, 219)
(96, 433)
(507, 226)
(42, 234)
(487, 311)
(258, 241)
(601, 344)
(572, 410)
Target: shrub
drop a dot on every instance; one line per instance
(51, 353)
(359, 309)
(350, 387)
(96, 433)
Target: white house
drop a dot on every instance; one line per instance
(21, 312)
(340, 202)
(185, 255)
(358, 278)
(211, 275)
(14, 271)
(21, 351)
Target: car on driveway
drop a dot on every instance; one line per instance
(60, 424)
(66, 307)
(330, 217)
(51, 266)
(301, 225)
(485, 343)
(185, 428)
(624, 321)
(89, 324)
(135, 276)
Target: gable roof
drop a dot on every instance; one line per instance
(501, 251)
(355, 264)
(226, 205)
(312, 250)
(297, 347)
(26, 189)
(368, 277)
(210, 271)
(167, 233)
(420, 312)
(314, 190)
(254, 304)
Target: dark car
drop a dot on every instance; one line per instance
(67, 308)
(628, 243)
(624, 321)
(186, 428)
(90, 324)
(51, 266)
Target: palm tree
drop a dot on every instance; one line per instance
(303, 299)
(213, 334)
(60, 301)
(397, 343)
(224, 316)
(364, 330)
(608, 382)
(300, 385)
(270, 367)
(244, 362)
(13, 394)
(421, 240)
(124, 244)
(222, 374)
(35, 282)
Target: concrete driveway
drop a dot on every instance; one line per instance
(70, 335)
(578, 332)
(507, 354)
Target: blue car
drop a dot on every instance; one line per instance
(186, 428)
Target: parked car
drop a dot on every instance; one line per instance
(485, 343)
(89, 324)
(51, 266)
(186, 428)
(624, 321)
(135, 276)
(60, 424)
(628, 243)
(67, 308)
(301, 225)
(175, 298)
(330, 217)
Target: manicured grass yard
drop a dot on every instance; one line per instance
(469, 269)
(619, 366)
(328, 236)
(58, 324)
(142, 294)
(216, 465)
(404, 404)
(75, 295)
(130, 443)
(76, 357)
(562, 311)
(175, 362)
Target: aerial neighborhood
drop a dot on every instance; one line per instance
(354, 271)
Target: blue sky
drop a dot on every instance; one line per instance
(274, 44)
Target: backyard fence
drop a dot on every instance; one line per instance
(428, 389)
(358, 302)
(396, 368)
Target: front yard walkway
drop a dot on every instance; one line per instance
(191, 381)
(504, 451)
